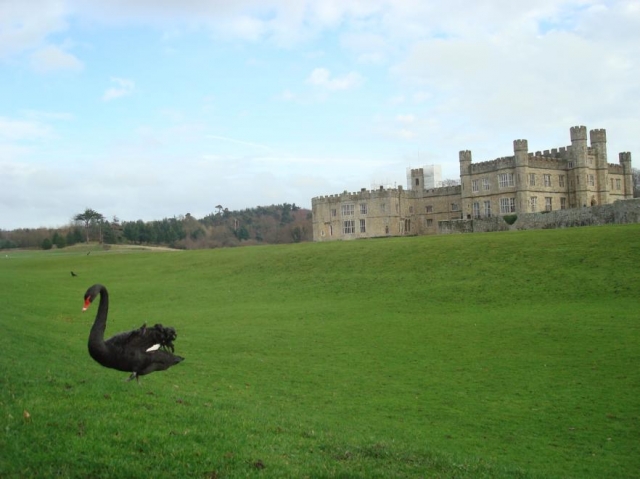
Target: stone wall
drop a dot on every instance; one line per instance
(620, 212)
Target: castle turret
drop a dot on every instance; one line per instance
(625, 161)
(465, 182)
(579, 172)
(521, 152)
(599, 148)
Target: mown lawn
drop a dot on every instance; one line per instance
(490, 355)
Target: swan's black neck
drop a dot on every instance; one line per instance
(96, 336)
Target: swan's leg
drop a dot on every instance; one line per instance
(133, 375)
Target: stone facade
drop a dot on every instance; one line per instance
(569, 177)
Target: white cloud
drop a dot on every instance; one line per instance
(124, 88)
(51, 58)
(26, 25)
(405, 118)
(21, 130)
(321, 77)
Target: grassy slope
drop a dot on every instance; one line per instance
(495, 355)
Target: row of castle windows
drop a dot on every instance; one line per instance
(506, 180)
(349, 227)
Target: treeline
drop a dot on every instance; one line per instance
(285, 223)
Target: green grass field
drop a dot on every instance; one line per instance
(507, 355)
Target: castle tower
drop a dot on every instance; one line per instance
(465, 182)
(599, 147)
(625, 161)
(416, 179)
(521, 152)
(579, 172)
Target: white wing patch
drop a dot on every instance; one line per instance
(155, 347)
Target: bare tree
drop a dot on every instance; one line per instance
(635, 174)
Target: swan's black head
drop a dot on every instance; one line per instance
(91, 294)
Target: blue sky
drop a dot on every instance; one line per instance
(146, 109)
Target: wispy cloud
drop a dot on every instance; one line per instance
(321, 77)
(239, 142)
(124, 88)
(53, 58)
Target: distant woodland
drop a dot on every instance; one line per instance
(285, 223)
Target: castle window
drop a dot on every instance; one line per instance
(429, 208)
(561, 181)
(487, 209)
(571, 164)
(611, 183)
(429, 222)
(563, 203)
(547, 180)
(417, 181)
(532, 179)
(507, 205)
(363, 208)
(485, 184)
(383, 207)
(475, 185)
(505, 180)
(534, 204)
(455, 207)
(592, 181)
(618, 184)
(547, 203)
(386, 230)
(330, 230)
(363, 227)
(349, 227)
(476, 210)
(407, 225)
(347, 210)
(334, 212)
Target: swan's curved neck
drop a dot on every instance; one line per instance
(96, 336)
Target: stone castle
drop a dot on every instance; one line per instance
(574, 176)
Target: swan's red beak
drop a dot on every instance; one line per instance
(87, 303)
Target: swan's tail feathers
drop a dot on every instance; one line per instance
(155, 347)
(164, 336)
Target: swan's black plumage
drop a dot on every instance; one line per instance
(141, 351)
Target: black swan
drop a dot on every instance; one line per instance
(141, 351)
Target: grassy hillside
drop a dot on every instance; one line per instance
(489, 355)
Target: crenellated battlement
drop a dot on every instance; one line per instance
(598, 136)
(615, 168)
(548, 162)
(361, 195)
(520, 145)
(625, 157)
(442, 191)
(464, 155)
(562, 153)
(497, 164)
(578, 133)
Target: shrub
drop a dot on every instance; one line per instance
(510, 219)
